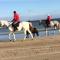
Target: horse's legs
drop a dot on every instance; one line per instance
(14, 36)
(59, 30)
(37, 33)
(54, 29)
(10, 36)
(59, 27)
(30, 33)
(25, 34)
(46, 31)
(33, 34)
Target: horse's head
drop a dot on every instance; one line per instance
(1, 23)
(4, 23)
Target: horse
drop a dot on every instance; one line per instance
(53, 24)
(34, 32)
(22, 25)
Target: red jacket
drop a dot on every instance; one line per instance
(16, 17)
(49, 18)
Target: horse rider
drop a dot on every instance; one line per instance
(48, 20)
(16, 20)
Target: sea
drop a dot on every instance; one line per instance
(20, 35)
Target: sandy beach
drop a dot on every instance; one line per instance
(40, 48)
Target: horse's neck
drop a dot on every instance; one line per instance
(5, 23)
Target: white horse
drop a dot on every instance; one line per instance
(54, 24)
(22, 25)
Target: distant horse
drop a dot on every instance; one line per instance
(53, 24)
(22, 25)
(34, 32)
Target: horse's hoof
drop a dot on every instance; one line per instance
(32, 39)
(10, 40)
(24, 38)
(14, 40)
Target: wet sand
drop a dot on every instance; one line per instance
(41, 48)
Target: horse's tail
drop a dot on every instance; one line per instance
(30, 25)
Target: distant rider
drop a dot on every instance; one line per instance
(48, 21)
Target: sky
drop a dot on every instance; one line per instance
(29, 8)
